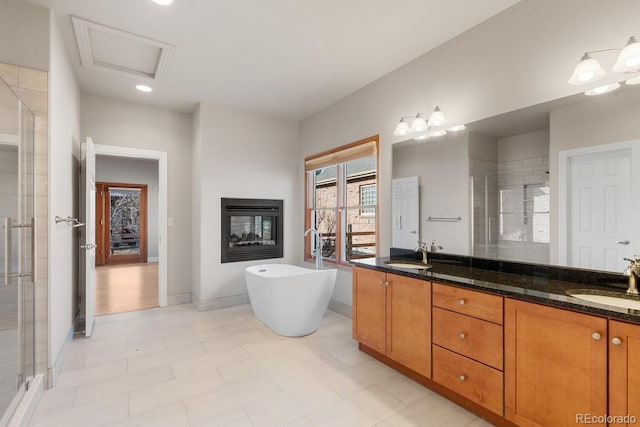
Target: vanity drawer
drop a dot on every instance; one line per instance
(475, 381)
(472, 303)
(471, 337)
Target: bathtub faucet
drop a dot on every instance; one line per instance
(318, 246)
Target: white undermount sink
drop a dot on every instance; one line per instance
(400, 264)
(607, 298)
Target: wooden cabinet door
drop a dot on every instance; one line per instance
(369, 308)
(409, 322)
(624, 370)
(555, 365)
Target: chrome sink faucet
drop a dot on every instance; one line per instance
(633, 271)
(422, 248)
(318, 235)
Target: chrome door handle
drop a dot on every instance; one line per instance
(621, 242)
(89, 246)
(8, 248)
(8, 222)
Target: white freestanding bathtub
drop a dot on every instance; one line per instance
(290, 300)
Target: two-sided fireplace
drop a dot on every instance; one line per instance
(251, 229)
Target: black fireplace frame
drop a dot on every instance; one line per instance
(251, 207)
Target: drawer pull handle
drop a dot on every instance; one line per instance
(461, 301)
(596, 336)
(462, 335)
(616, 341)
(463, 377)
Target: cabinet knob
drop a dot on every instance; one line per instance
(596, 336)
(462, 335)
(382, 282)
(461, 301)
(463, 377)
(616, 341)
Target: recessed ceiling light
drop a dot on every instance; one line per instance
(143, 88)
(163, 2)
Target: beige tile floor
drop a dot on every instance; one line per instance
(175, 366)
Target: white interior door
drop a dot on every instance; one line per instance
(600, 209)
(406, 213)
(88, 238)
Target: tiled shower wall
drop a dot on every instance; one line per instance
(517, 174)
(31, 86)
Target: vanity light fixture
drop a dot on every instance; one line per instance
(589, 70)
(163, 2)
(143, 88)
(602, 89)
(633, 81)
(420, 128)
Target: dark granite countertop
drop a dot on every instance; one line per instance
(543, 284)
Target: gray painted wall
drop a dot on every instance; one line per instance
(520, 57)
(24, 34)
(120, 123)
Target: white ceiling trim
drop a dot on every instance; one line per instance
(82, 28)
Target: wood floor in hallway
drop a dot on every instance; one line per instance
(126, 287)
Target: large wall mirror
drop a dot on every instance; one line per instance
(555, 183)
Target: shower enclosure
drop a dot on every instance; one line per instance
(509, 214)
(17, 251)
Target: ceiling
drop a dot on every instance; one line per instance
(289, 58)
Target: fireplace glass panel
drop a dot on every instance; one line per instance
(254, 230)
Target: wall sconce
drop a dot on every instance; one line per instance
(422, 128)
(589, 70)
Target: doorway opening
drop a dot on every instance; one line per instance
(127, 234)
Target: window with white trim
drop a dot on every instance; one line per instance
(368, 199)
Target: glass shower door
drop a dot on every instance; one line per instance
(16, 251)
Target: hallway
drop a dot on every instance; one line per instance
(126, 287)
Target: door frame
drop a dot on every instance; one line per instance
(105, 231)
(161, 157)
(564, 157)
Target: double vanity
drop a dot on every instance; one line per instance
(505, 340)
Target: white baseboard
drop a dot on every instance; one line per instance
(153, 259)
(54, 371)
(222, 302)
(176, 299)
(341, 308)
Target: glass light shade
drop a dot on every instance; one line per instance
(629, 58)
(402, 128)
(588, 70)
(418, 124)
(143, 88)
(602, 89)
(456, 128)
(633, 81)
(436, 132)
(421, 137)
(163, 2)
(436, 118)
